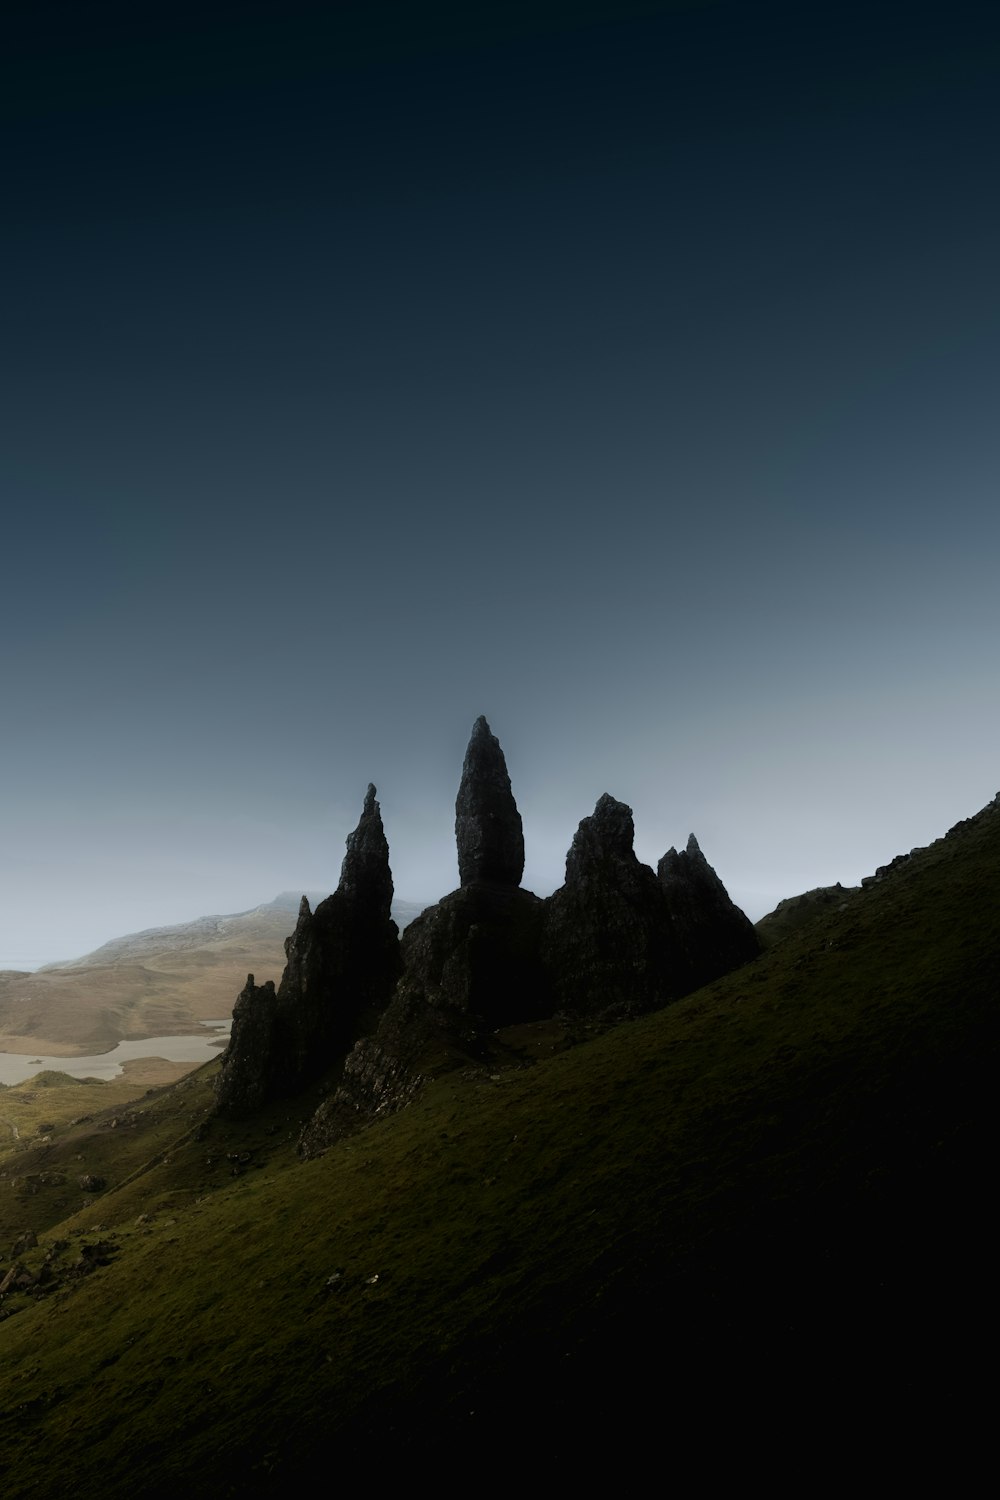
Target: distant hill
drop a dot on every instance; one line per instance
(160, 982)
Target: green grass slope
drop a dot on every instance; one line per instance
(749, 1233)
(798, 911)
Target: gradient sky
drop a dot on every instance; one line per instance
(629, 374)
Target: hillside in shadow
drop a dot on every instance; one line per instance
(762, 1210)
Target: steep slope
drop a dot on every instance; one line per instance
(798, 911)
(751, 1228)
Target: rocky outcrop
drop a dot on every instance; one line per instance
(375, 1017)
(365, 877)
(608, 946)
(250, 1067)
(342, 964)
(476, 954)
(709, 931)
(487, 823)
(470, 964)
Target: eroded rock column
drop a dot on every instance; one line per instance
(487, 823)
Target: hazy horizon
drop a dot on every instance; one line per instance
(756, 900)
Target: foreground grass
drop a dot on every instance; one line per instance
(737, 1203)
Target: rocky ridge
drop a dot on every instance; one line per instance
(374, 1015)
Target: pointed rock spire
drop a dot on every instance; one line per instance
(365, 875)
(487, 823)
(712, 931)
(342, 962)
(607, 942)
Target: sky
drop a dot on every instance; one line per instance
(626, 373)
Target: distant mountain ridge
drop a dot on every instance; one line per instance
(202, 930)
(163, 981)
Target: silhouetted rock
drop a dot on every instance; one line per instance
(342, 964)
(365, 877)
(710, 932)
(613, 941)
(475, 953)
(608, 944)
(249, 1064)
(487, 823)
(471, 964)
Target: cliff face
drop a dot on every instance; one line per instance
(711, 933)
(374, 1016)
(609, 950)
(342, 962)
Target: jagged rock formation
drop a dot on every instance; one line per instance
(487, 823)
(342, 965)
(476, 953)
(250, 1064)
(709, 931)
(374, 1017)
(609, 949)
(470, 964)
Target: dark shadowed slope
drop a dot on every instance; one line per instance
(752, 1230)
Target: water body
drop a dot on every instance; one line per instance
(16, 1067)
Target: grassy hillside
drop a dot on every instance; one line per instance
(745, 1233)
(798, 911)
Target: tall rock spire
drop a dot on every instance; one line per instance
(365, 875)
(487, 823)
(342, 965)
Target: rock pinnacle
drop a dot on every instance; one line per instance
(365, 874)
(487, 823)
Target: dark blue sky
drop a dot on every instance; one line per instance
(627, 373)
